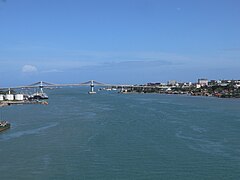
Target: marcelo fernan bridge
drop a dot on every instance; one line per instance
(91, 83)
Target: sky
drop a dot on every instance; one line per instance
(118, 41)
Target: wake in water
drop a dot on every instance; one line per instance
(18, 134)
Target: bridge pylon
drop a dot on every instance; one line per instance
(92, 88)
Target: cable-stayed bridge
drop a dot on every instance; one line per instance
(43, 84)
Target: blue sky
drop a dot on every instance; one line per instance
(118, 41)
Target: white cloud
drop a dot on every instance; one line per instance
(29, 69)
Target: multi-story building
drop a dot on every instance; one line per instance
(203, 82)
(172, 83)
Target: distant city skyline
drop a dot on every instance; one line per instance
(121, 41)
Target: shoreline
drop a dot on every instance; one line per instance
(9, 103)
(180, 94)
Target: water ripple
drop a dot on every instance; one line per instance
(204, 145)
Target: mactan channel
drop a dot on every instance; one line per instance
(204, 87)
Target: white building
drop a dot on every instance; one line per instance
(198, 86)
(203, 82)
(1, 97)
(172, 82)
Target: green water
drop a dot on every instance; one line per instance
(122, 136)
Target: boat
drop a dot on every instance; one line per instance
(38, 96)
(4, 125)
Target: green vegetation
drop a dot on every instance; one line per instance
(222, 89)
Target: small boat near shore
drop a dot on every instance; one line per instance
(4, 125)
(38, 96)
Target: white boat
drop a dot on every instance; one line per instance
(38, 96)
